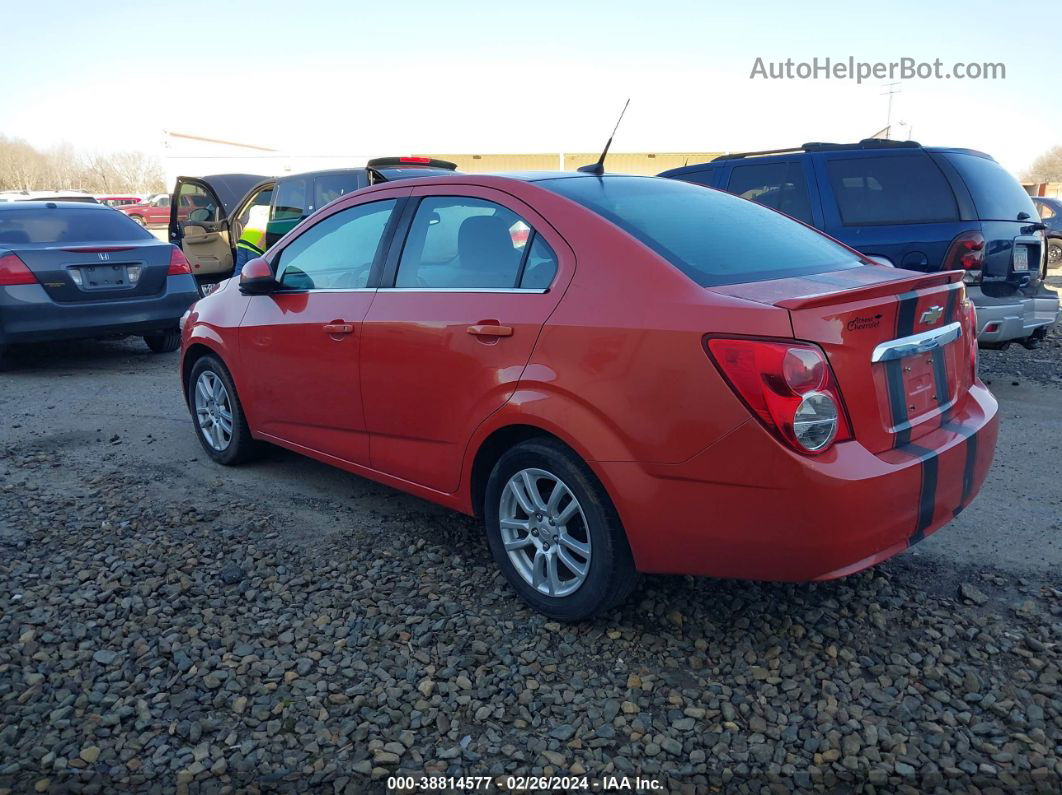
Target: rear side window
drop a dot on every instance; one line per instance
(996, 194)
(704, 177)
(291, 199)
(68, 226)
(541, 266)
(462, 242)
(905, 189)
(338, 252)
(710, 236)
(331, 186)
(781, 186)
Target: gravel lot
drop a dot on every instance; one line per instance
(169, 625)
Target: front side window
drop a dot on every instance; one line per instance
(781, 186)
(291, 199)
(338, 252)
(712, 237)
(904, 189)
(461, 242)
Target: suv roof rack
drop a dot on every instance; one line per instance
(385, 162)
(819, 146)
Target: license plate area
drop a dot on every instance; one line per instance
(920, 386)
(120, 276)
(1021, 259)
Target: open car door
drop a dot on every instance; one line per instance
(200, 219)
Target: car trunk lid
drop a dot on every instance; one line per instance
(896, 340)
(73, 272)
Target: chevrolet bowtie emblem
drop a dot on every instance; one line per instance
(932, 315)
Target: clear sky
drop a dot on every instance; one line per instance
(329, 77)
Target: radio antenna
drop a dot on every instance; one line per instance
(598, 168)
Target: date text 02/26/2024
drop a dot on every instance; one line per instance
(416, 784)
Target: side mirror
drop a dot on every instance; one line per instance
(257, 278)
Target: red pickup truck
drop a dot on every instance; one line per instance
(156, 210)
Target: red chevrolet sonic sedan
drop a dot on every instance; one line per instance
(618, 374)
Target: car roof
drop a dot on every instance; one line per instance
(48, 203)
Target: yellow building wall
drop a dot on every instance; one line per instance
(644, 163)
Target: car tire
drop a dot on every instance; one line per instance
(166, 342)
(239, 447)
(139, 219)
(1054, 252)
(567, 563)
(5, 360)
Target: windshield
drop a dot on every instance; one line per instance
(712, 237)
(67, 225)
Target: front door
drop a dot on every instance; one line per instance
(448, 336)
(198, 225)
(301, 344)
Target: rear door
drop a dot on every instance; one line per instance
(892, 204)
(465, 295)
(198, 224)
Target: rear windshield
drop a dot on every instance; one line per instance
(996, 194)
(891, 189)
(67, 225)
(712, 237)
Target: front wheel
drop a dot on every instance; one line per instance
(166, 342)
(139, 219)
(1054, 253)
(218, 415)
(5, 361)
(554, 532)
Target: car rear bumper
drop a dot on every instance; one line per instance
(1013, 319)
(27, 314)
(749, 508)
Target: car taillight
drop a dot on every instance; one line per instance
(422, 160)
(966, 253)
(178, 263)
(14, 271)
(788, 386)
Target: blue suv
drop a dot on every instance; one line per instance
(915, 207)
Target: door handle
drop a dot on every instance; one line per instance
(490, 330)
(338, 328)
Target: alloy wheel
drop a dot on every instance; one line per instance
(545, 532)
(213, 410)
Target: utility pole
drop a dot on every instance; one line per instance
(893, 88)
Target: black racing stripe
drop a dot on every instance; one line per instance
(927, 496)
(897, 402)
(969, 465)
(952, 303)
(940, 376)
(905, 314)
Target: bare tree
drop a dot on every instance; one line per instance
(1047, 167)
(23, 167)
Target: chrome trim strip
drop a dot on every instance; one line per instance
(917, 343)
(464, 290)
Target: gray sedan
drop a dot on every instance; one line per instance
(73, 270)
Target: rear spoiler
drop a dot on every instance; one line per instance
(390, 162)
(876, 289)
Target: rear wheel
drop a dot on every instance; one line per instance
(554, 532)
(166, 342)
(218, 415)
(5, 361)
